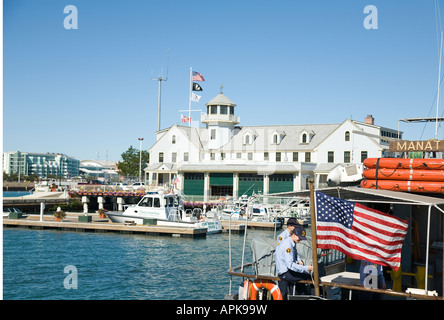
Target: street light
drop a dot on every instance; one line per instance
(140, 160)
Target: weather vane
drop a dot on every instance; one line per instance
(221, 87)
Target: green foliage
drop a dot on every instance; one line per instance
(73, 206)
(129, 166)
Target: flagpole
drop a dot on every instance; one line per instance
(189, 100)
(314, 247)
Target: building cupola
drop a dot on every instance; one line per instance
(219, 120)
(220, 109)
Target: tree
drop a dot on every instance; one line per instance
(129, 166)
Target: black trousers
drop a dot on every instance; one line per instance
(290, 277)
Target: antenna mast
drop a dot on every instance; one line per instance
(160, 79)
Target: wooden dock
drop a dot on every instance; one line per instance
(100, 226)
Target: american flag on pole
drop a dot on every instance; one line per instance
(359, 232)
(197, 76)
(185, 118)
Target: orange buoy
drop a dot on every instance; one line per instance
(404, 174)
(409, 186)
(266, 284)
(404, 163)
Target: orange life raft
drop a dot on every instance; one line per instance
(404, 174)
(403, 163)
(409, 186)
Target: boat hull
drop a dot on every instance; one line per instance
(211, 226)
(404, 163)
(404, 174)
(408, 186)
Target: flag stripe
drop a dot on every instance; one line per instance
(383, 219)
(356, 238)
(394, 264)
(357, 250)
(383, 235)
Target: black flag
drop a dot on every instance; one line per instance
(196, 87)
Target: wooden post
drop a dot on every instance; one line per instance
(314, 247)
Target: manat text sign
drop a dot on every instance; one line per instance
(405, 146)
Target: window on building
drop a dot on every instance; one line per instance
(304, 138)
(278, 156)
(295, 156)
(212, 156)
(213, 134)
(213, 109)
(222, 155)
(250, 155)
(308, 157)
(186, 156)
(174, 157)
(275, 138)
(231, 110)
(347, 135)
(331, 156)
(247, 139)
(266, 156)
(346, 156)
(364, 155)
(173, 139)
(239, 155)
(223, 109)
(160, 157)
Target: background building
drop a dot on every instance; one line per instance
(40, 164)
(223, 158)
(101, 170)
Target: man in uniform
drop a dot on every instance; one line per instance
(291, 223)
(289, 266)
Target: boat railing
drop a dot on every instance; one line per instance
(173, 215)
(239, 272)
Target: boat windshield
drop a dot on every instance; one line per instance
(171, 201)
(149, 202)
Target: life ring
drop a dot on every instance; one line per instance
(266, 284)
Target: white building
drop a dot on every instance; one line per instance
(223, 158)
(101, 170)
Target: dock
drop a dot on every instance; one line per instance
(69, 223)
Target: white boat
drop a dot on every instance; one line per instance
(166, 210)
(247, 208)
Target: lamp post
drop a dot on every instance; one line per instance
(140, 160)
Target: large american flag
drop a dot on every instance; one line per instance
(359, 232)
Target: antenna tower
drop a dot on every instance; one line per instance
(160, 79)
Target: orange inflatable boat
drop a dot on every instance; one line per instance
(404, 163)
(409, 186)
(404, 174)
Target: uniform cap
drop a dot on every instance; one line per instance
(300, 232)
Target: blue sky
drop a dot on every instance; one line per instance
(88, 90)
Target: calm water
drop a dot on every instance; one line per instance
(115, 266)
(15, 193)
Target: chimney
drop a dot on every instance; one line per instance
(370, 119)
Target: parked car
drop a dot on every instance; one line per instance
(138, 185)
(123, 186)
